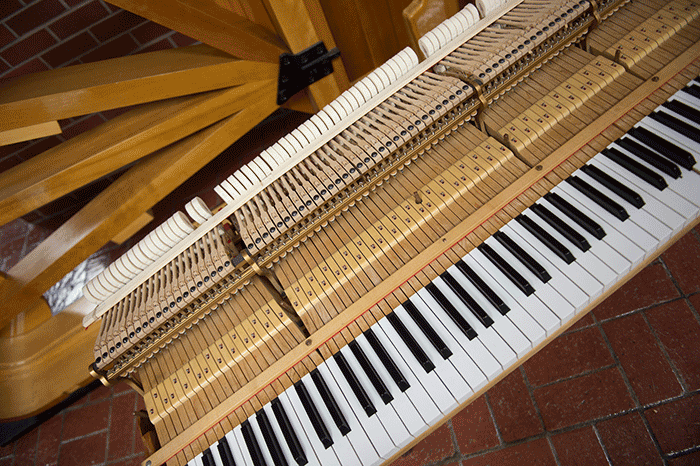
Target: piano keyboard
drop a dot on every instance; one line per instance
(483, 314)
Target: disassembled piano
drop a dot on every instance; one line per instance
(414, 241)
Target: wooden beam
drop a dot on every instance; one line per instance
(122, 203)
(114, 144)
(212, 24)
(27, 133)
(143, 220)
(120, 82)
(302, 24)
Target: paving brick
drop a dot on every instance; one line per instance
(568, 355)
(690, 459)
(11, 252)
(535, 452)
(84, 451)
(6, 36)
(584, 398)
(649, 286)
(647, 369)
(25, 453)
(7, 7)
(118, 47)
(149, 31)
(24, 49)
(122, 426)
(86, 420)
(435, 447)
(9, 162)
(513, 410)
(9, 461)
(83, 125)
(116, 24)
(38, 146)
(182, 40)
(132, 461)
(160, 45)
(628, 442)
(49, 439)
(7, 450)
(79, 19)
(578, 447)
(583, 322)
(70, 49)
(35, 237)
(35, 15)
(32, 66)
(683, 260)
(14, 229)
(473, 428)
(676, 424)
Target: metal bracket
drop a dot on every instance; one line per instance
(302, 69)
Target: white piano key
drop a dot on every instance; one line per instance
(277, 430)
(196, 461)
(670, 134)
(215, 455)
(257, 433)
(530, 322)
(243, 453)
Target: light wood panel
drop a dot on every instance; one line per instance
(123, 202)
(27, 133)
(212, 24)
(114, 144)
(143, 220)
(81, 89)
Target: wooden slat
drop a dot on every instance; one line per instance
(212, 24)
(114, 144)
(27, 133)
(120, 204)
(302, 23)
(135, 226)
(120, 82)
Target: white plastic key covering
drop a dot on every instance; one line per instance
(248, 171)
(463, 20)
(371, 86)
(136, 259)
(376, 80)
(223, 194)
(383, 75)
(349, 99)
(152, 247)
(339, 109)
(346, 103)
(389, 71)
(448, 29)
(473, 10)
(442, 34)
(410, 56)
(285, 148)
(323, 116)
(90, 295)
(294, 142)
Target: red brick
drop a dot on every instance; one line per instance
(26, 448)
(33, 66)
(578, 448)
(27, 48)
(582, 399)
(583, 322)
(11, 253)
(7, 7)
(7, 450)
(568, 355)
(49, 440)
(100, 393)
(645, 365)
(7, 461)
(35, 237)
(39, 146)
(474, 428)
(70, 49)
(35, 15)
(79, 19)
(534, 453)
(182, 40)
(118, 47)
(115, 112)
(683, 260)
(435, 447)
(149, 31)
(627, 441)
(84, 451)
(86, 420)
(14, 229)
(691, 459)
(3, 67)
(116, 24)
(676, 424)
(513, 410)
(9, 162)
(83, 125)
(122, 426)
(135, 461)
(160, 45)
(648, 287)
(6, 36)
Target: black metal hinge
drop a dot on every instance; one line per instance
(302, 69)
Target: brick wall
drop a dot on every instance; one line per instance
(45, 34)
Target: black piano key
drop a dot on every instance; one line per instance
(693, 90)
(675, 124)
(251, 442)
(451, 311)
(599, 198)
(526, 259)
(410, 342)
(207, 458)
(330, 402)
(650, 157)
(545, 238)
(476, 280)
(225, 452)
(583, 220)
(507, 269)
(316, 421)
(427, 330)
(613, 185)
(664, 147)
(288, 431)
(371, 372)
(562, 227)
(357, 389)
(268, 434)
(468, 301)
(683, 109)
(636, 168)
(386, 360)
